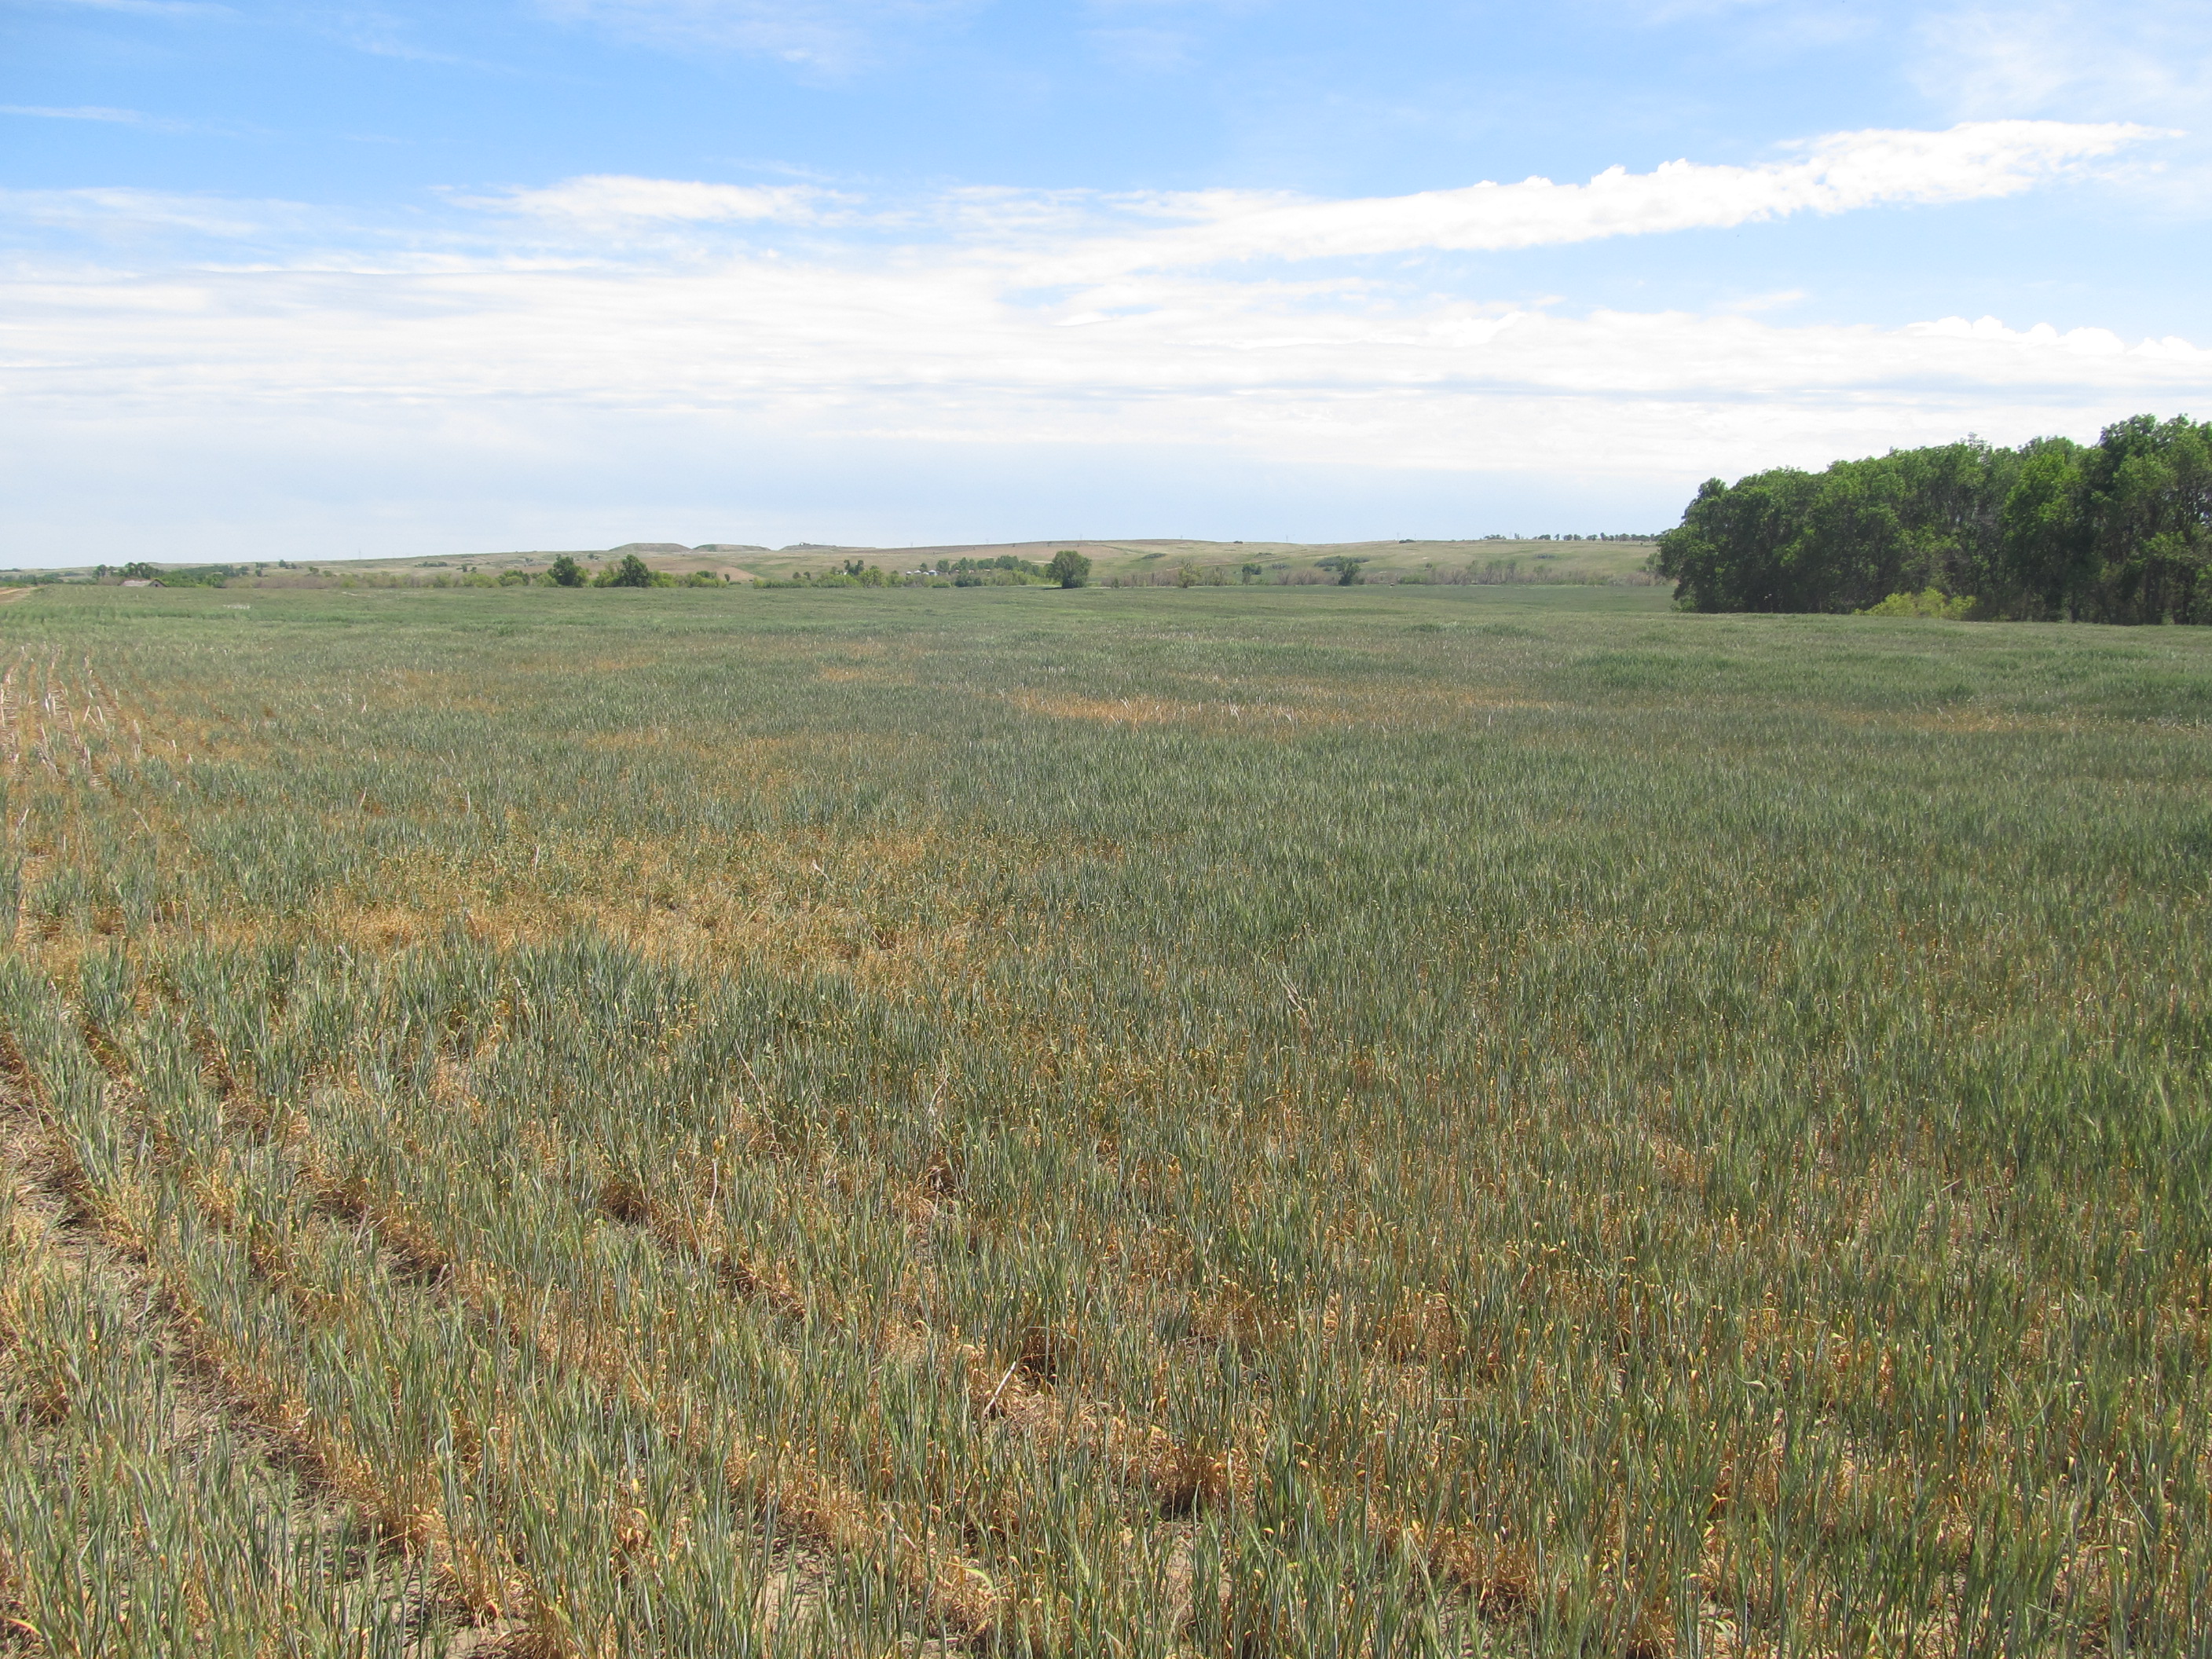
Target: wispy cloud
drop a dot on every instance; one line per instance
(106, 215)
(157, 8)
(2152, 60)
(937, 354)
(832, 36)
(797, 316)
(1768, 30)
(1064, 236)
(122, 117)
(1149, 50)
(1836, 175)
(614, 202)
(940, 340)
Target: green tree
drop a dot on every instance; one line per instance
(1853, 545)
(2147, 516)
(1069, 568)
(1727, 552)
(2121, 533)
(2047, 552)
(565, 572)
(632, 572)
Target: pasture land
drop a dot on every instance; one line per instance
(1237, 1122)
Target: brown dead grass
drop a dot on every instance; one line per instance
(1159, 711)
(804, 902)
(1967, 718)
(1283, 709)
(59, 721)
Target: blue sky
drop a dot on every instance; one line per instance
(307, 280)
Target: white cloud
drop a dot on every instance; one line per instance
(1836, 175)
(109, 116)
(157, 8)
(1149, 50)
(125, 118)
(107, 213)
(749, 315)
(610, 201)
(2148, 61)
(835, 36)
(932, 350)
(1755, 31)
(1047, 238)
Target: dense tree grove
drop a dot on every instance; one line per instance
(2119, 532)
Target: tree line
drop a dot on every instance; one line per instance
(1067, 569)
(2119, 531)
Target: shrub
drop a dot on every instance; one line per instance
(1929, 602)
(565, 572)
(206, 575)
(1069, 568)
(632, 572)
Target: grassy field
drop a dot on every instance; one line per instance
(1250, 1121)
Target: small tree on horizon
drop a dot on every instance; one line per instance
(565, 572)
(1069, 568)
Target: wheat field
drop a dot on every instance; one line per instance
(1240, 1122)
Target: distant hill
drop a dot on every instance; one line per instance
(1142, 561)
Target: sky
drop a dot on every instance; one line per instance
(287, 278)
